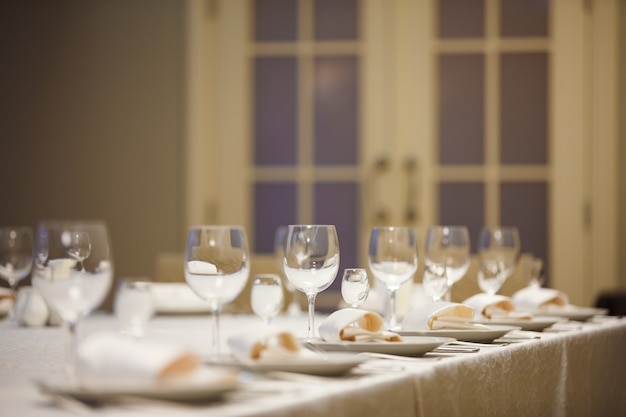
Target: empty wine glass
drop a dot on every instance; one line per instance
(266, 296)
(134, 306)
(355, 286)
(392, 258)
(490, 276)
(449, 248)
(217, 266)
(16, 257)
(435, 281)
(293, 309)
(532, 270)
(311, 262)
(502, 245)
(78, 246)
(72, 285)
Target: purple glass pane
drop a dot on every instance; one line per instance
(275, 111)
(275, 20)
(524, 108)
(463, 204)
(524, 17)
(274, 205)
(461, 109)
(525, 205)
(336, 20)
(461, 18)
(338, 204)
(336, 110)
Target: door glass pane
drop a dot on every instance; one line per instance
(274, 205)
(336, 20)
(461, 109)
(525, 205)
(275, 110)
(462, 204)
(338, 204)
(461, 18)
(267, 14)
(336, 110)
(524, 17)
(524, 108)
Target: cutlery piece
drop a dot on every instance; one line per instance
(456, 349)
(398, 357)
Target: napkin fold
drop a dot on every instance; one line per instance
(538, 298)
(110, 359)
(7, 297)
(495, 306)
(264, 343)
(355, 325)
(441, 315)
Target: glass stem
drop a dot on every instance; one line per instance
(393, 321)
(215, 340)
(311, 333)
(70, 350)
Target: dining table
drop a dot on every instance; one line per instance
(573, 368)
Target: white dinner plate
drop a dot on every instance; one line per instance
(409, 346)
(207, 384)
(573, 313)
(536, 324)
(482, 336)
(325, 364)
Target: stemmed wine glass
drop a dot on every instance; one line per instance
(293, 309)
(266, 296)
(447, 247)
(311, 262)
(16, 257)
(73, 281)
(355, 286)
(435, 281)
(392, 258)
(499, 245)
(532, 270)
(490, 276)
(217, 266)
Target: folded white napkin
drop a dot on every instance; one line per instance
(265, 342)
(441, 315)
(6, 300)
(30, 307)
(110, 359)
(355, 325)
(176, 298)
(495, 306)
(538, 298)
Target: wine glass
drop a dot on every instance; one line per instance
(311, 262)
(134, 306)
(449, 248)
(355, 286)
(501, 245)
(78, 246)
(217, 266)
(16, 257)
(392, 258)
(293, 309)
(435, 281)
(72, 283)
(266, 296)
(490, 276)
(532, 270)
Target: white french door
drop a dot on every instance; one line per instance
(394, 113)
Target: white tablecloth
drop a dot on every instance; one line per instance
(577, 373)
